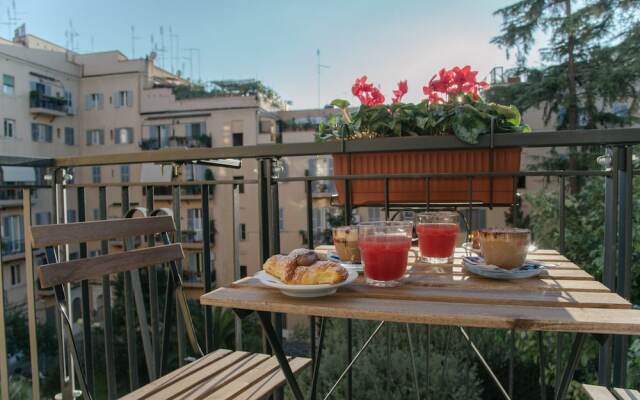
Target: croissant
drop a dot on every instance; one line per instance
(282, 267)
(320, 272)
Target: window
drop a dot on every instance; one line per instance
(9, 128)
(68, 98)
(96, 174)
(93, 101)
(76, 309)
(12, 234)
(194, 222)
(195, 129)
(123, 98)
(237, 139)
(240, 186)
(41, 133)
(69, 136)
(159, 135)
(124, 174)
(96, 214)
(374, 214)
(95, 137)
(243, 231)
(281, 218)
(243, 271)
(8, 85)
(123, 136)
(43, 218)
(16, 279)
(71, 216)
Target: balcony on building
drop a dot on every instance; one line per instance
(176, 142)
(48, 106)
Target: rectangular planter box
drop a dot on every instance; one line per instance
(442, 190)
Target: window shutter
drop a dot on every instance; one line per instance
(116, 100)
(34, 132)
(89, 138)
(48, 133)
(188, 131)
(129, 135)
(203, 128)
(101, 134)
(129, 98)
(100, 101)
(87, 102)
(312, 167)
(116, 137)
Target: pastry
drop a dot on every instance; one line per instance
(304, 267)
(318, 273)
(304, 257)
(282, 267)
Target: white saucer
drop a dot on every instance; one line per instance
(304, 290)
(348, 266)
(476, 265)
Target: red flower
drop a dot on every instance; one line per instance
(368, 94)
(403, 88)
(452, 83)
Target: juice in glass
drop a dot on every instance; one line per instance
(437, 235)
(384, 250)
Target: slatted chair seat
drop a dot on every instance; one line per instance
(595, 392)
(222, 374)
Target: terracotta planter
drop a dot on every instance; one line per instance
(442, 190)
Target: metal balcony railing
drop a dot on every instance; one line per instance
(40, 100)
(617, 180)
(176, 141)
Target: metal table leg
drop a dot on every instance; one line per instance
(572, 364)
(276, 346)
(316, 364)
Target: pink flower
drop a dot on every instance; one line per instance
(368, 94)
(452, 83)
(403, 88)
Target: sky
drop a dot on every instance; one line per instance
(276, 41)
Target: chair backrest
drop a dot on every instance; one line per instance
(95, 267)
(56, 274)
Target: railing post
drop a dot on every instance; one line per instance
(623, 282)
(128, 306)
(109, 349)
(264, 171)
(609, 270)
(4, 365)
(177, 198)
(31, 299)
(154, 305)
(235, 228)
(86, 303)
(206, 264)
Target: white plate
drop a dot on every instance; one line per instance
(304, 290)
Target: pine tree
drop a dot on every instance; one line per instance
(591, 63)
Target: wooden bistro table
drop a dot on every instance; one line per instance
(564, 298)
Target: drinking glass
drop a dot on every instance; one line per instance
(437, 235)
(384, 248)
(345, 238)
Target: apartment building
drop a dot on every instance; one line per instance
(56, 103)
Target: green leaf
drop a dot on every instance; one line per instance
(340, 103)
(468, 124)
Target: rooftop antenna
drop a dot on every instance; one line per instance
(320, 67)
(192, 50)
(171, 36)
(71, 35)
(12, 18)
(133, 41)
(162, 49)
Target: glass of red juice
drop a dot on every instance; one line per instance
(384, 251)
(437, 235)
